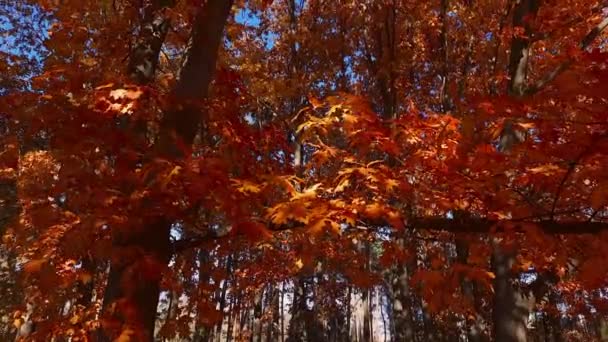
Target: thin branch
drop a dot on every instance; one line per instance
(552, 75)
(503, 21)
(571, 167)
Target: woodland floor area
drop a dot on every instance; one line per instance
(304, 170)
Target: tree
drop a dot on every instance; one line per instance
(264, 169)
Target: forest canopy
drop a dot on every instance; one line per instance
(303, 170)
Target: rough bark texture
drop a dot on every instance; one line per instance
(476, 329)
(511, 306)
(523, 15)
(401, 303)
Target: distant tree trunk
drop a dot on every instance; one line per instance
(303, 326)
(221, 294)
(444, 97)
(151, 238)
(348, 310)
(401, 303)
(475, 329)
(385, 318)
(256, 331)
(337, 321)
(202, 332)
(295, 331)
(273, 305)
(282, 311)
(314, 326)
(368, 335)
(555, 319)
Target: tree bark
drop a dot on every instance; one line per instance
(524, 13)
(511, 307)
(475, 329)
(151, 242)
(401, 302)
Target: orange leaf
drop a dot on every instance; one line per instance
(34, 266)
(599, 196)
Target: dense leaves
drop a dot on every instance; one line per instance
(443, 162)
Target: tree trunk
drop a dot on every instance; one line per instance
(511, 307)
(139, 300)
(297, 327)
(367, 298)
(475, 329)
(401, 303)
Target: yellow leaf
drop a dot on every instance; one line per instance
(308, 193)
(526, 125)
(320, 225)
(344, 183)
(391, 184)
(245, 186)
(174, 172)
(105, 86)
(299, 264)
(75, 319)
(282, 213)
(546, 169)
(129, 94)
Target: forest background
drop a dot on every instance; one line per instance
(310, 170)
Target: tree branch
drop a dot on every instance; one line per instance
(483, 225)
(552, 75)
(458, 226)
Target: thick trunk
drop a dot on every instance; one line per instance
(132, 293)
(511, 307)
(139, 299)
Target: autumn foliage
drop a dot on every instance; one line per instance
(449, 156)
